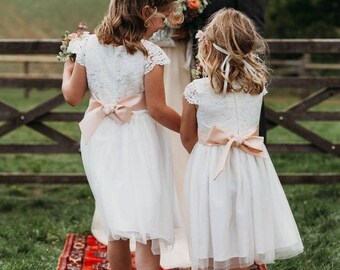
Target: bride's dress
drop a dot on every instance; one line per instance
(176, 78)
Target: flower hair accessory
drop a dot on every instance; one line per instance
(225, 66)
(200, 35)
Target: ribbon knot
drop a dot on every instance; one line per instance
(249, 142)
(109, 108)
(238, 140)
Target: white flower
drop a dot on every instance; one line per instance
(200, 35)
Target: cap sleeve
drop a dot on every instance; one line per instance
(190, 94)
(80, 59)
(156, 56)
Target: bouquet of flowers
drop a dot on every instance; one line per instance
(191, 10)
(71, 43)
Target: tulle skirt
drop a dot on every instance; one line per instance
(129, 169)
(240, 217)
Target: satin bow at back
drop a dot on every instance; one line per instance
(121, 112)
(249, 142)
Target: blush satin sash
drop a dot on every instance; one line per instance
(249, 142)
(121, 112)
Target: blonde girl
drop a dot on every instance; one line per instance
(237, 212)
(124, 143)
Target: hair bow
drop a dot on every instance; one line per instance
(200, 35)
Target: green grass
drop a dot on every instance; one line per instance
(49, 18)
(35, 220)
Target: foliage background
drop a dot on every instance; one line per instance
(302, 18)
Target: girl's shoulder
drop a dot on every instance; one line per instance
(153, 49)
(91, 40)
(150, 45)
(156, 56)
(194, 89)
(201, 85)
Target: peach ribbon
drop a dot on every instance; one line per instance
(249, 142)
(121, 112)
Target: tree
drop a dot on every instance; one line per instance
(302, 19)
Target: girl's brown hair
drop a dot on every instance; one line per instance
(124, 25)
(236, 33)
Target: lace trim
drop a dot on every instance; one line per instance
(156, 57)
(81, 55)
(190, 94)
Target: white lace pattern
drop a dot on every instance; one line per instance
(112, 73)
(235, 112)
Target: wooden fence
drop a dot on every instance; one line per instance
(288, 119)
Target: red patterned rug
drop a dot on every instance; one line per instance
(82, 252)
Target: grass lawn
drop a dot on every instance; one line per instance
(35, 219)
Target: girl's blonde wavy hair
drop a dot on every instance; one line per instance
(236, 33)
(123, 23)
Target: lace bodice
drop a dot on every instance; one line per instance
(112, 73)
(235, 112)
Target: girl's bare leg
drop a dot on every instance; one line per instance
(118, 254)
(145, 260)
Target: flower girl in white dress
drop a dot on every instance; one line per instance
(125, 146)
(236, 208)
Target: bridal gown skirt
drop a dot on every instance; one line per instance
(176, 78)
(129, 169)
(241, 216)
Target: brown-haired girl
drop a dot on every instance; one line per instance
(124, 143)
(237, 211)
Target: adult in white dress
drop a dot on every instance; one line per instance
(176, 78)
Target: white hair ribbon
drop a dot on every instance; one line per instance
(226, 67)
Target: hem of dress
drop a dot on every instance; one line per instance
(207, 263)
(159, 243)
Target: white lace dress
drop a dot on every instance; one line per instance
(128, 166)
(243, 215)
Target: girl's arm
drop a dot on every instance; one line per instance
(74, 83)
(189, 126)
(155, 100)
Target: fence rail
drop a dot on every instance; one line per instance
(289, 119)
